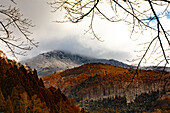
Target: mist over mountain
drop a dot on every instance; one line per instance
(55, 61)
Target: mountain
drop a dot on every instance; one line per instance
(21, 91)
(55, 61)
(161, 68)
(99, 86)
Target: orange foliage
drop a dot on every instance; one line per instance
(96, 74)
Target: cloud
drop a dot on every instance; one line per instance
(77, 45)
(67, 36)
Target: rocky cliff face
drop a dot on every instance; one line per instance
(55, 61)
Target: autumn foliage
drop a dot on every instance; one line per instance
(101, 85)
(95, 74)
(21, 91)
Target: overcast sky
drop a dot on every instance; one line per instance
(70, 37)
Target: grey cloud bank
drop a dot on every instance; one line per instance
(74, 45)
(69, 37)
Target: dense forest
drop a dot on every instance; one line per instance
(95, 81)
(21, 91)
(146, 102)
(95, 87)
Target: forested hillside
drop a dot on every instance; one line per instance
(21, 91)
(96, 82)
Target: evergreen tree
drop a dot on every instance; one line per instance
(37, 106)
(2, 102)
(17, 102)
(25, 102)
(9, 107)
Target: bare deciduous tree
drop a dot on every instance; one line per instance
(141, 16)
(14, 30)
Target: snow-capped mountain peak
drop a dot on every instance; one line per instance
(54, 61)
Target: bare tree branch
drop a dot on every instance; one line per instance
(14, 31)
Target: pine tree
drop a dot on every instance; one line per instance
(25, 102)
(17, 102)
(9, 107)
(2, 102)
(37, 106)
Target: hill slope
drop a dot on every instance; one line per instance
(55, 61)
(21, 91)
(103, 88)
(94, 81)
